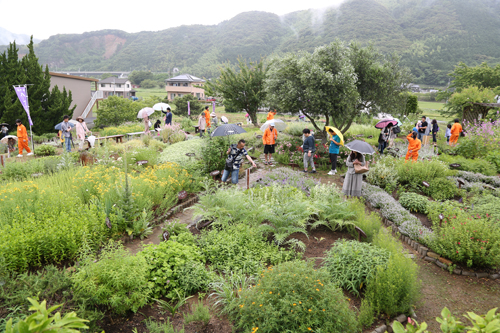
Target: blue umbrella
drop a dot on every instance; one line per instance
(58, 126)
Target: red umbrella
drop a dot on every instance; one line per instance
(384, 122)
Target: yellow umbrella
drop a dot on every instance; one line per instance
(336, 131)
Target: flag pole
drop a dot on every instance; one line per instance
(29, 121)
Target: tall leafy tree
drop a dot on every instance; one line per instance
(338, 82)
(181, 108)
(243, 88)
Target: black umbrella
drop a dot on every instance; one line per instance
(228, 129)
(5, 124)
(360, 147)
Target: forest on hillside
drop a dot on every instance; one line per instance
(430, 36)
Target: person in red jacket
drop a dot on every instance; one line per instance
(269, 141)
(413, 146)
(22, 138)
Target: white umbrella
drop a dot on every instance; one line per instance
(224, 119)
(280, 125)
(149, 111)
(91, 140)
(161, 106)
(6, 138)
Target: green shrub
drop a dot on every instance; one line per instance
(117, 280)
(395, 288)
(469, 148)
(214, 155)
(413, 174)
(414, 202)
(476, 165)
(294, 297)
(45, 150)
(122, 129)
(166, 261)
(176, 153)
(161, 327)
(441, 189)
(384, 174)
(194, 277)
(353, 264)
(470, 240)
(241, 247)
(370, 224)
(494, 158)
(200, 313)
(487, 206)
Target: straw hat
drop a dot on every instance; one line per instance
(78, 118)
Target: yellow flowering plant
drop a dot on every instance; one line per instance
(294, 297)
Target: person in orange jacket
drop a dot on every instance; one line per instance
(271, 114)
(22, 138)
(207, 118)
(269, 141)
(456, 129)
(413, 146)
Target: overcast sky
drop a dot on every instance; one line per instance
(44, 18)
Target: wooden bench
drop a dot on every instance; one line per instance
(129, 135)
(118, 138)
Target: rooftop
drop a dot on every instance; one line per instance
(113, 79)
(185, 78)
(73, 77)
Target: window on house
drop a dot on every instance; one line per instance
(198, 95)
(172, 96)
(103, 85)
(128, 85)
(185, 84)
(118, 85)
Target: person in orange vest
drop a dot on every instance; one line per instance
(207, 118)
(271, 114)
(413, 146)
(22, 138)
(269, 140)
(456, 129)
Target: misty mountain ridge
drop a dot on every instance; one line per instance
(431, 36)
(7, 37)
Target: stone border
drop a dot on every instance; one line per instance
(428, 255)
(402, 318)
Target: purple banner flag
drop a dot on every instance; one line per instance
(213, 106)
(189, 109)
(22, 94)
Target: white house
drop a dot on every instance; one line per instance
(113, 86)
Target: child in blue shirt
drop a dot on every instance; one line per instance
(448, 133)
(334, 151)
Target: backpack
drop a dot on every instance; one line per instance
(396, 130)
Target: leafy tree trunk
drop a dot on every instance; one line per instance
(253, 117)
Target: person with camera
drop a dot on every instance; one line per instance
(234, 160)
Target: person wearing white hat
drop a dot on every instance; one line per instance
(81, 130)
(269, 140)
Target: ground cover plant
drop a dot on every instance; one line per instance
(293, 297)
(477, 165)
(414, 202)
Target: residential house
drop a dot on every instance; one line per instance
(83, 91)
(185, 84)
(113, 86)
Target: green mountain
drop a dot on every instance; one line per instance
(431, 36)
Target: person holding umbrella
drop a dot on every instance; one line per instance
(414, 145)
(65, 129)
(81, 130)
(269, 140)
(145, 117)
(233, 161)
(4, 130)
(353, 181)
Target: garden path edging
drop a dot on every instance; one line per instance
(427, 255)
